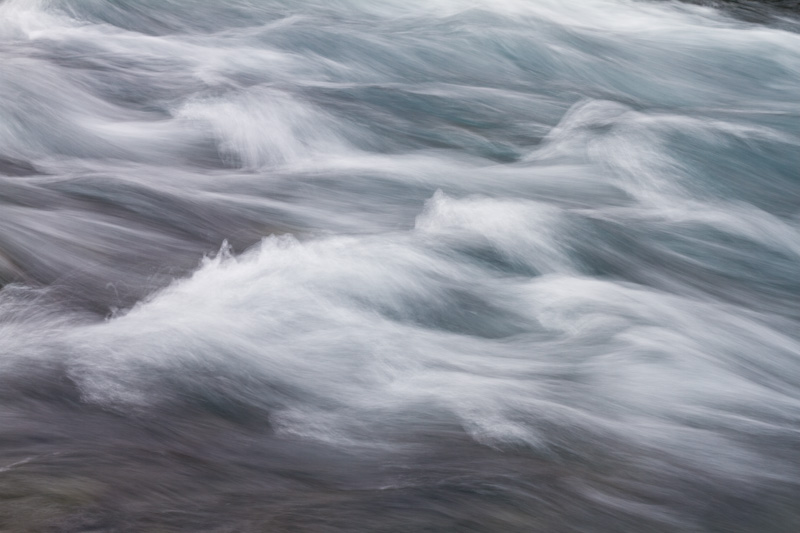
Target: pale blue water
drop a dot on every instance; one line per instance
(519, 265)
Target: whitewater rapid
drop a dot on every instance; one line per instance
(398, 266)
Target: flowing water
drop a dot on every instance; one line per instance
(399, 266)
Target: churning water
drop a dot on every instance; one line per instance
(398, 265)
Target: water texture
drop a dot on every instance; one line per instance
(399, 266)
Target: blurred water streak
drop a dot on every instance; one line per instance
(398, 266)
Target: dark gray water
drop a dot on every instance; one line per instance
(399, 266)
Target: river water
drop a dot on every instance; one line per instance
(399, 266)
